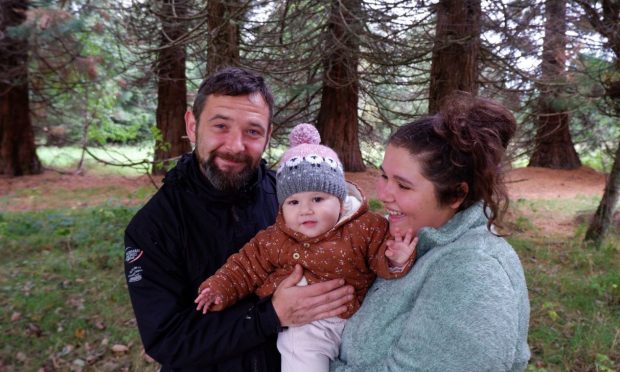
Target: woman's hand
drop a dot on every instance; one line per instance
(300, 305)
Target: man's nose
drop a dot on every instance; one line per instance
(234, 142)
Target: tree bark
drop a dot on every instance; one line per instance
(605, 212)
(171, 88)
(18, 155)
(553, 145)
(223, 19)
(456, 51)
(337, 120)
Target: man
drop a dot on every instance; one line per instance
(210, 205)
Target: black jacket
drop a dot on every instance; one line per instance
(178, 239)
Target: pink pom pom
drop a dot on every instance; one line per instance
(304, 133)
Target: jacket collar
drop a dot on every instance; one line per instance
(458, 225)
(187, 172)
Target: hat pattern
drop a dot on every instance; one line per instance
(309, 166)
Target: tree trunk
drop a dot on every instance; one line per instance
(553, 145)
(456, 50)
(337, 120)
(171, 89)
(18, 155)
(223, 19)
(604, 213)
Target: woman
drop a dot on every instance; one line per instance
(464, 305)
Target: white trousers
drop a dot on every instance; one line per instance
(310, 347)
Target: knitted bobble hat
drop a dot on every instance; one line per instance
(309, 166)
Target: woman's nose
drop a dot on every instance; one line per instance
(383, 191)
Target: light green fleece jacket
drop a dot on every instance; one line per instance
(463, 307)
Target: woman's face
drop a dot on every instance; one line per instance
(408, 196)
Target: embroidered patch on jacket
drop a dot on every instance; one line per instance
(132, 254)
(135, 274)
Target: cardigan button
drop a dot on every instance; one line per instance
(296, 256)
(306, 245)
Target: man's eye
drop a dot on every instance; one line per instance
(383, 176)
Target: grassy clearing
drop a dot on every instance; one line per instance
(64, 305)
(69, 157)
(574, 288)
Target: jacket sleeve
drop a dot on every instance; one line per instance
(172, 331)
(377, 245)
(244, 271)
(464, 319)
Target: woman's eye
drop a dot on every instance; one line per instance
(384, 176)
(400, 186)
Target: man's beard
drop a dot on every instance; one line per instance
(229, 181)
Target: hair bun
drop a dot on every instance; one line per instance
(304, 133)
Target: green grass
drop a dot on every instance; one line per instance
(68, 158)
(63, 298)
(574, 289)
(64, 303)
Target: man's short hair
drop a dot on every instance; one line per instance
(232, 81)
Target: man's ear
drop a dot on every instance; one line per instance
(463, 190)
(190, 126)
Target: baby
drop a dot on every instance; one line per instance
(323, 225)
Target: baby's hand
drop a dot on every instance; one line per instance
(208, 299)
(401, 248)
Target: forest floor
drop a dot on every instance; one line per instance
(64, 304)
(52, 190)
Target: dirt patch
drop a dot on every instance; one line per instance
(53, 190)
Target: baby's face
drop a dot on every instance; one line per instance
(311, 213)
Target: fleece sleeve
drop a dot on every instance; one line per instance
(172, 331)
(464, 319)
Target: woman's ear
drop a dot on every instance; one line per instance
(461, 192)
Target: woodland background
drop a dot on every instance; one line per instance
(110, 81)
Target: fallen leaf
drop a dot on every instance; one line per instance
(65, 350)
(98, 323)
(79, 333)
(33, 330)
(21, 356)
(16, 316)
(77, 302)
(120, 348)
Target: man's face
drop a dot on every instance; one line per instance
(230, 137)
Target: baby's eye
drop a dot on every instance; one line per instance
(292, 202)
(317, 199)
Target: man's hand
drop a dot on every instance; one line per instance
(300, 305)
(401, 248)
